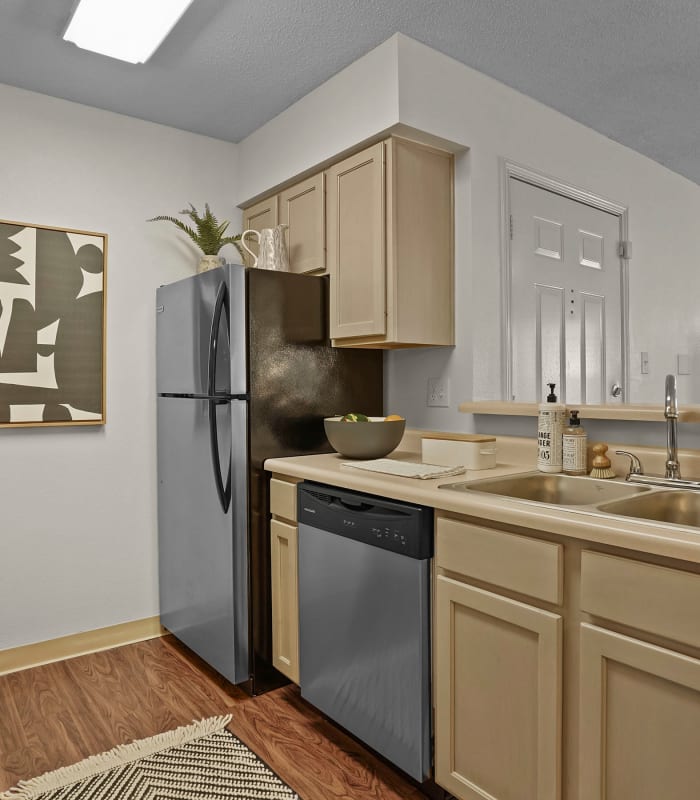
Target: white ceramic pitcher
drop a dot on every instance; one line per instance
(272, 249)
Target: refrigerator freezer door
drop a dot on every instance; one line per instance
(203, 562)
(189, 347)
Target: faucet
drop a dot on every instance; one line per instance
(673, 468)
(672, 477)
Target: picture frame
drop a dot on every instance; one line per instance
(53, 285)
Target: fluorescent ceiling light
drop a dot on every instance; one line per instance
(130, 30)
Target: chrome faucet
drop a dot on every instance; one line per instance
(673, 468)
(672, 477)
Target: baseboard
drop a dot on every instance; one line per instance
(78, 644)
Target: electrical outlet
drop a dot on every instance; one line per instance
(439, 392)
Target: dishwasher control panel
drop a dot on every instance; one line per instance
(389, 524)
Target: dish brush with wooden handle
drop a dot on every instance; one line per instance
(602, 467)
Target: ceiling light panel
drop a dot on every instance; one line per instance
(130, 30)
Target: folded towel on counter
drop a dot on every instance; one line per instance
(406, 469)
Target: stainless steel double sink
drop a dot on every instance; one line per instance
(671, 506)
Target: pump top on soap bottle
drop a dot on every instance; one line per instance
(550, 427)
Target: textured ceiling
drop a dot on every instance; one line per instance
(627, 68)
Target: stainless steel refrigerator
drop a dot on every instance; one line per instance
(245, 372)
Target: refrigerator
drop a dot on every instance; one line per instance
(245, 372)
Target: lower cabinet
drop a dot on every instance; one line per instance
(628, 724)
(285, 599)
(640, 720)
(284, 569)
(639, 726)
(497, 695)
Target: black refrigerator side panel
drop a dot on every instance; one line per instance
(295, 379)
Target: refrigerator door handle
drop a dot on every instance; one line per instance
(224, 491)
(221, 306)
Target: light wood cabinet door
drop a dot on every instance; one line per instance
(285, 599)
(302, 208)
(262, 215)
(639, 720)
(497, 696)
(355, 198)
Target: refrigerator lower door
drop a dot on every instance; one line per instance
(202, 550)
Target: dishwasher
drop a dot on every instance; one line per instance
(364, 619)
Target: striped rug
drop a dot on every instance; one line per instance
(202, 761)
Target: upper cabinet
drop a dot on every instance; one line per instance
(356, 202)
(390, 238)
(261, 215)
(381, 224)
(302, 208)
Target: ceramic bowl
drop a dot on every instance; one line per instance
(372, 439)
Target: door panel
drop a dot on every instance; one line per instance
(640, 720)
(201, 549)
(364, 653)
(262, 215)
(285, 598)
(497, 696)
(356, 244)
(303, 209)
(183, 327)
(567, 250)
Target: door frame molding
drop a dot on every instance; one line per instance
(510, 169)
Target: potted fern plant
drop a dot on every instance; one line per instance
(207, 233)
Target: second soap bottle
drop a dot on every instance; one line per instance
(574, 450)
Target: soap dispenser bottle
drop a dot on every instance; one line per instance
(550, 427)
(574, 441)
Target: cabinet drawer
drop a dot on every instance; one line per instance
(648, 597)
(528, 566)
(283, 499)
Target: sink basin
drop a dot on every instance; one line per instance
(677, 507)
(563, 490)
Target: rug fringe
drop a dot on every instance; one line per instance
(116, 757)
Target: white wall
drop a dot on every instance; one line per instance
(78, 505)
(350, 107)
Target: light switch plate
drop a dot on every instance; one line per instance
(683, 364)
(644, 366)
(439, 392)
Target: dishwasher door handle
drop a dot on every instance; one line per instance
(358, 509)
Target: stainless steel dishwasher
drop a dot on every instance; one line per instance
(364, 615)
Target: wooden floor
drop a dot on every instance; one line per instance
(58, 714)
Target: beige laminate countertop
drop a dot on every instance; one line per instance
(670, 541)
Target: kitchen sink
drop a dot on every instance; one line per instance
(562, 490)
(676, 507)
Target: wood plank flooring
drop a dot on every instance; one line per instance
(57, 714)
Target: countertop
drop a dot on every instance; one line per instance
(670, 541)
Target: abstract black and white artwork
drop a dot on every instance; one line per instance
(52, 289)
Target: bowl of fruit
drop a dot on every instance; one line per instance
(359, 436)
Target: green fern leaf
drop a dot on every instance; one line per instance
(208, 233)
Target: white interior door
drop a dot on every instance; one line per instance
(565, 298)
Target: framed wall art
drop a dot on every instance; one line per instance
(52, 325)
